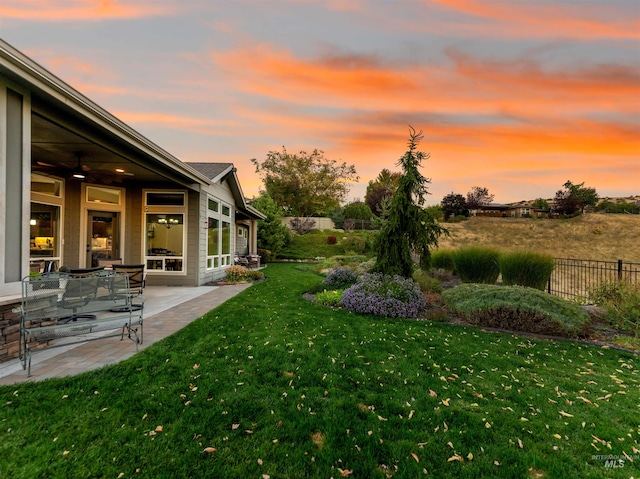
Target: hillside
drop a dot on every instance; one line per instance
(592, 236)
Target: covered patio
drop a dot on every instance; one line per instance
(167, 310)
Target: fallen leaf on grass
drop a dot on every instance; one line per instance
(235, 426)
(158, 428)
(432, 393)
(455, 457)
(565, 414)
(209, 450)
(415, 456)
(345, 472)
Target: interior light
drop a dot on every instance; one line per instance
(32, 222)
(119, 170)
(79, 175)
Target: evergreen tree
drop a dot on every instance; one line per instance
(410, 228)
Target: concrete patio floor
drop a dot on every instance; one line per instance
(167, 309)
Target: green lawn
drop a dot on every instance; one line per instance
(269, 384)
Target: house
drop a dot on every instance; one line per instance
(509, 211)
(79, 185)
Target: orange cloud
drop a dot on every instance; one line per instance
(471, 87)
(548, 20)
(86, 10)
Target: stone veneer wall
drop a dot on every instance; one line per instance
(10, 333)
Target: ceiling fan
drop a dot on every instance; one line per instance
(81, 171)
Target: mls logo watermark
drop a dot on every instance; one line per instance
(614, 463)
(611, 461)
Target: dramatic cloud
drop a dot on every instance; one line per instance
(86, 10)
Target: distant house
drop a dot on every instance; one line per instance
(79, 185)
(509, 211)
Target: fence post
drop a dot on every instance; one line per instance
(619, 270)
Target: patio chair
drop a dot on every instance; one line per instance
(84, 272)
(135, 273)
(240, 261)
(108, 262)
(254, 261)
(78, 292)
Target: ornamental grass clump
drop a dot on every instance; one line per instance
(621, 301)
(526, 268)
(340, 278)
(241, 274)
(443, 259)
(384, 295)
(477, 264)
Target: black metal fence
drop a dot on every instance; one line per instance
(575, 278)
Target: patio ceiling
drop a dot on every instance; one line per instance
(58, 151)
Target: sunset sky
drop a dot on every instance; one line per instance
(516, 96)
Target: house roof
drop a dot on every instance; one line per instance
(47, 87)
(221, 172)
(211, 170)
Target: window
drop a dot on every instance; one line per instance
(213, 244)
(44, 231)
(45, 185)
(219, 235)
(165, 231)
(45, 222)
(109, 196)
(165, 199)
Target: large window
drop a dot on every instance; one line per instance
(44, 231)
(165, 238)
(219, 235)
(45, 219)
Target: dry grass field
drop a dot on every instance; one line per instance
(605, 237)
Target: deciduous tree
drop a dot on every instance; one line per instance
(478, 197)
(410, 228)
(305, 184)
(384, 186)
(454, 204)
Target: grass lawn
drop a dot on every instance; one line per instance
(270, 385)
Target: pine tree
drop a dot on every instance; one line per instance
(410, 228)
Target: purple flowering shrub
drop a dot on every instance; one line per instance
(340, 278)
(384, 295)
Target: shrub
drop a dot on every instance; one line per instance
(443, 259)
(255, 275)
(340, 278)
(427, 283)
(354, 244)
(366, 266)
(477, 264)
(240, 274)
(384, 295)
(331, 239)
(518, 309)
(621, 301)
(329, 298)
(526, 268)
(236, 274)
(266, 256)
